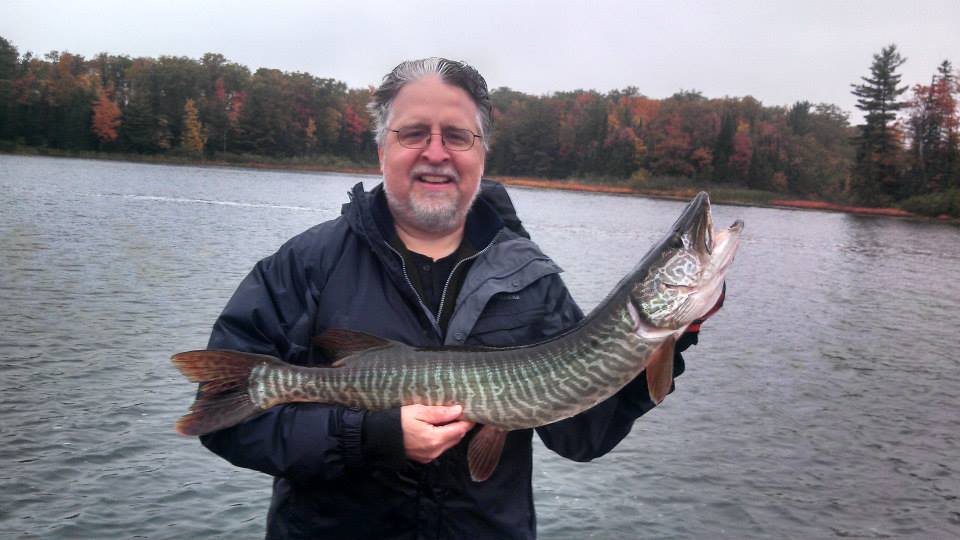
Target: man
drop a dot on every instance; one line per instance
(421, 260)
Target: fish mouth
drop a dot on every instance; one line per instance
(694, 228)
(688, 277)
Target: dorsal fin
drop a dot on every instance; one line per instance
(337, 343)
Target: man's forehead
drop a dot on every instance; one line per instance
(428, 101)
(432, 92)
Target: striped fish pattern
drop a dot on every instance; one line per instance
(633, 330)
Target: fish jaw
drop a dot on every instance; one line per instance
(686, 281)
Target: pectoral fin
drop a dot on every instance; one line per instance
(483, 455)
(660, 371)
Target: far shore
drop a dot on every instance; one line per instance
(718, 193)
(688, 192)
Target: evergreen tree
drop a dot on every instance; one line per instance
(798, 118)
(877, 177)
(945, 137)
(723, 147)
(8, 74)
(142, 129)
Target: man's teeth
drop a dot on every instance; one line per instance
(434, 179)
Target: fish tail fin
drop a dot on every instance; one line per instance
(223, 399)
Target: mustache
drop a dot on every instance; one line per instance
(434, 170)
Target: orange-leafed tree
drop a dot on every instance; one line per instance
(194, 136)
(106, 118)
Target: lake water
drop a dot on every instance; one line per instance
(823, 400)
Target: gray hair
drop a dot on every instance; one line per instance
(452, 72)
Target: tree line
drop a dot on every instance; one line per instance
(906, 151)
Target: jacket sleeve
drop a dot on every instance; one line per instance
(599, 429)
(271, 313)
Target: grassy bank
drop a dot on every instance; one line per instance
(319, 163)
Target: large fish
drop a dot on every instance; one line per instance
(634, 329)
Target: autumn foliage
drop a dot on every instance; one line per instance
(213, 108)
(194, 136)
(106, 118)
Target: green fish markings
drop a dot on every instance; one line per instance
(634, 329)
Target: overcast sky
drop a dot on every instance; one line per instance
(778, 52)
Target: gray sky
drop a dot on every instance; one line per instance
(778, 52)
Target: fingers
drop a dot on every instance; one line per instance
(437, 415)
(428, 432)
(454, 430)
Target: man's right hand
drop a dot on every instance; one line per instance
(431, 431)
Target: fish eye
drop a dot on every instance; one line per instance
(676, 241)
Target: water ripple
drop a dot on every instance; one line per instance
(821, 401)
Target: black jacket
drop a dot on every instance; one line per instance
(337, 476)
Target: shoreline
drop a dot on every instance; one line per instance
(679, 193)
(686, 193)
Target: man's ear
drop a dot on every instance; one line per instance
(380, 157)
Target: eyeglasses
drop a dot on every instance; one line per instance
(418, 138)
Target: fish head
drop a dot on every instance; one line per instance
(684, 274)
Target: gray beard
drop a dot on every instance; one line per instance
(443, 216)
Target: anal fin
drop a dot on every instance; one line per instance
(483, 455)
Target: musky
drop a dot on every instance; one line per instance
(778, 52)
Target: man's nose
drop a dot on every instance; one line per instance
(435, 151)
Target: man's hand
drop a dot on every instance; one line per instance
(431, 431)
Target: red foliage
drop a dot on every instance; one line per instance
(106, 117)
(353, 125)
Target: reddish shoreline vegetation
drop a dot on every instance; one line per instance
(821, 205)
(686, 193)
(903, 160)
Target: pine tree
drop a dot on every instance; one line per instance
(8, 74)
(876, 176)
(143, 130)
(934, 123)
(945, 156)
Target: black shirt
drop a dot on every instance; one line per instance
(437, 282)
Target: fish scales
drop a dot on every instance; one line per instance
(490, 387)
(678, 281)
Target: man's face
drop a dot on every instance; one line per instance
(431, 189)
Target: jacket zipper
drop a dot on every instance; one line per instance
(403, 266)
(443, 295)
(435, 321)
